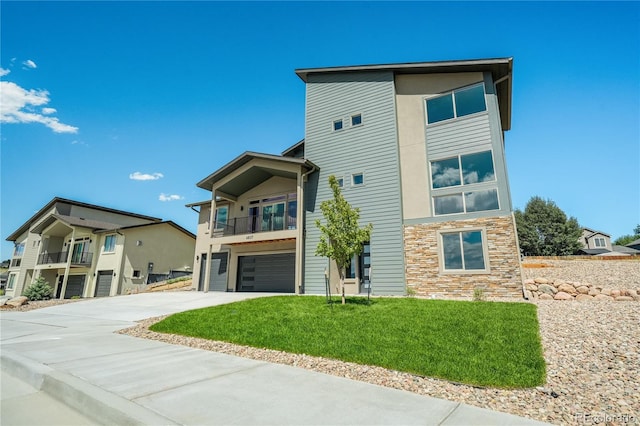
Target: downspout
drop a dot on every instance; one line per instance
(302, 231)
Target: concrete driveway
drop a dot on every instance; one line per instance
(71, 353)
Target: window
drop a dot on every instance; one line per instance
(11, 281)
(221, 214)
(600, 242)
(292, 210)
(357, 179)
(337, 125)
(340, 182)
(19, 250)
(109, 244)
(458, 103)
(462, 170)
(356, 119)
(136, 273)
(350, 269)
(463, 251)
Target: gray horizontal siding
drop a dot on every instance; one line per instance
(371, 149)
(460, 136)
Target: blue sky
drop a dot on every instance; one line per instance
(129, 104)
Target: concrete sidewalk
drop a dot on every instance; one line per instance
(71, 353)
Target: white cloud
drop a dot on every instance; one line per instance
(4, 72)
(167, 197)
(76, 142)
(17, 105)
(30, 64)
(145, 176)
(49, 111)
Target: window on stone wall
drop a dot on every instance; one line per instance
(463, 251)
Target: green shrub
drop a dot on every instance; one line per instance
(478, 294)
(1, 292)
(76, 297)
(38, 290)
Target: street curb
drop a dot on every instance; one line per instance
(92, 401)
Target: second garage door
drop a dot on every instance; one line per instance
(273, 273)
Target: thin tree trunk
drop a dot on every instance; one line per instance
(342, 273)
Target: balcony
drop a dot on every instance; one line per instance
(254, 224)
(77, 259)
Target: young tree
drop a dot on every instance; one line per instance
(341, 238)
(544, 230)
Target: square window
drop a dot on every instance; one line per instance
(463, 251)
(358, 179)
(356, 120)
(136, 273)
(337, 125)
(477, 167)
(340, 182)
(445, 173)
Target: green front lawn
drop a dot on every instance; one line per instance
(478, 343)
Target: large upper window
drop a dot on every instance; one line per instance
(457, 103)
(463, 251)
(464, 170)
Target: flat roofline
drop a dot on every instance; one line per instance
(414, 67)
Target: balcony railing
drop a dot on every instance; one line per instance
(254, 224)
(84, 258)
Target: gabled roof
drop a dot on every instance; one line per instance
(55, 200)
(500, 68)
(593, 232)
(167, 222)
(246, 157)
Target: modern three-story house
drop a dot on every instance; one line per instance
(417, 147)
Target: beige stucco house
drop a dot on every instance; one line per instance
(90, 251)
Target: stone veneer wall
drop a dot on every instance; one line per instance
(422, 267)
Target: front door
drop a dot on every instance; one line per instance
(59, 287)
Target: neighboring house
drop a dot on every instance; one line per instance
(417, 147)
(90, 251)
(595, 242)
(634, 244)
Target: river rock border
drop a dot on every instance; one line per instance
(545, 289)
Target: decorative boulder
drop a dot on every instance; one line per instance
(602, 297)
(545, 296)
(583, 297)
(548, 289)
(18, 301)
(567, 288)
(583, 289)
(561, 295)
